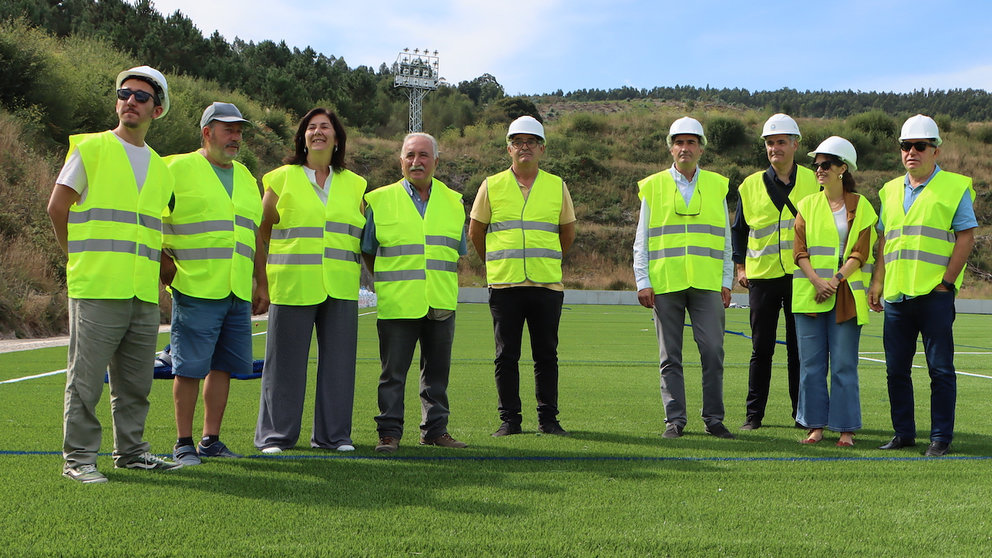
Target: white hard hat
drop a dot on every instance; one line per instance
(525, 125)
(780, 124)
(150, 74)
(840, 148)
(686, 125)
(920, 127)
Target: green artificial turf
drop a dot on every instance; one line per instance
(615, 487)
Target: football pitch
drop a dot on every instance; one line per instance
(613, 488)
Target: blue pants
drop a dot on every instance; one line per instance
(932, 316)
(823, 342)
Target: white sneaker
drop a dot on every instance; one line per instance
(272, 449)
(346, 447)
(149, 461)
(86, 474)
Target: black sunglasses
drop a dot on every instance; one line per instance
(825, 165)
(920, 146)
(139, 95)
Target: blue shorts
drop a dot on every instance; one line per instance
(210, 335)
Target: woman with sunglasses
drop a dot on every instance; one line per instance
(312, 222)
(834, 233)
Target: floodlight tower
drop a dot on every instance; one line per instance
(417, 72)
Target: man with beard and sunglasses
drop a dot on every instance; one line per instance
(682, 263)
(414, 234)
(926, 232)
(106, 209)
(522, 223)
(209, 253)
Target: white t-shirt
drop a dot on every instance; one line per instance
(73, 174)
(321, 189)
(840, 219)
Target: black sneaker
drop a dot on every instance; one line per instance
(719, 430)
(507, 429)
(672, 431)
(751, 424)
(553, 428)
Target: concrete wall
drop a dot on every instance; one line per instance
(481, 295)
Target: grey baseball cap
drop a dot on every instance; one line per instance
(222, 112)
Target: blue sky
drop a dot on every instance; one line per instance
(538, 46)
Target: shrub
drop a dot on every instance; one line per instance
(725, 133)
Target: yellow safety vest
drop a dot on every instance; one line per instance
(522, 241)
(685, 243)
(822, 244)
(918, 244)
(769, 241)
(416, 265)
(211, 234)
(315, 248)
(115, 233)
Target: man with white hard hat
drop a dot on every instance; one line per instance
(682, 262)
(106, 208)
(522, 224)
(927, 230)
(762, 239)
(209, 259)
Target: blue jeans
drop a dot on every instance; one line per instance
(932, 316)
(821, 341)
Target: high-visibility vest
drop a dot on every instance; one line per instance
(685, 242)
(769, 241)
(823, 245)
(522, 241)
(211, 234)
(918, 244)
(115, 232)
(416, 265)
(315, 248)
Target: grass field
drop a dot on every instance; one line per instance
(615, 487)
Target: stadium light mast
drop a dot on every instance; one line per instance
(417, 72)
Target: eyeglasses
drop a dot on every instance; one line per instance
(531, 143)
(920, 146)
(825, 165)
(139, 95)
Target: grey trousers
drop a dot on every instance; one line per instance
(284, 376)
(121, 335)
(397, 340)
(708, 321)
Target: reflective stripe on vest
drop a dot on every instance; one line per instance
(314, 249)
(416, 265)
(769, 242)
(522, 241)
(685, 243)
(822, 245)
(115, 232)
(918, 244)
(211, 234)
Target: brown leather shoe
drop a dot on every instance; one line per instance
(444, 440)
(388, 444)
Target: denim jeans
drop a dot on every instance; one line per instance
(932, 316)
(823, 342)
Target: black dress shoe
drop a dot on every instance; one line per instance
(751, 424)
(937, 449)
(896, 443)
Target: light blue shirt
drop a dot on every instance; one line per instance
(964, 216)
(370, 243)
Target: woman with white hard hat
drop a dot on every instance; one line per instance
(834, 234)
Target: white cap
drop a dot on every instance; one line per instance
(920, 127)
(780, 124)
(686, 125)
(152, 75)
(840, 148)
(525, 125)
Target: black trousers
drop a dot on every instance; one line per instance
(541, 309)
(767, 297)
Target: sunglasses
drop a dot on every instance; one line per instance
(140, 96)
(920, 146)
(826, 165)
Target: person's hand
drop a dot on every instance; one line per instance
(824, 289)
(725, 295)
(167, 270)
(260, 300)
(646, 297)
(875, 297)
(742, 277)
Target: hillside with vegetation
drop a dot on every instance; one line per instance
(58, 61)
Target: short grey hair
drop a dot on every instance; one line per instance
(421, 135)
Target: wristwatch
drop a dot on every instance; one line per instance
(948, 285)
(839, 277)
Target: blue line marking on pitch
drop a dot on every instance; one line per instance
(573, 458)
